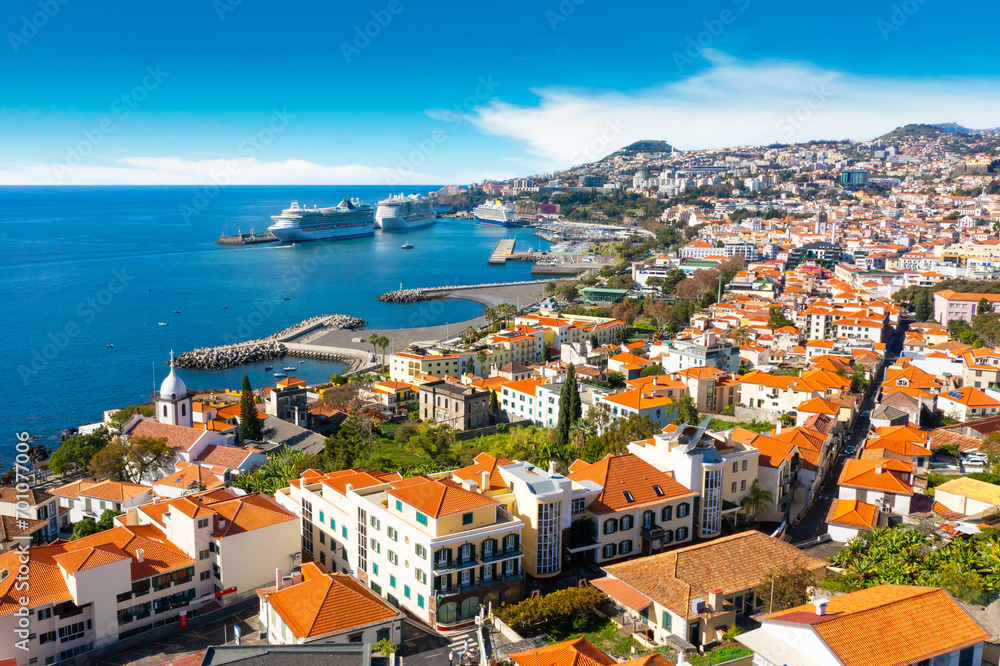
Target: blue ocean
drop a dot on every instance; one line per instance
(82, 268)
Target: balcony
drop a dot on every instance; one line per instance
(479, 585)
(652, 533)
(500, 556)
(456, 565)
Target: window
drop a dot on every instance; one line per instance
(376, 588)
(658, 490)
(626, 523)
(965, 656)
(421, 518)
(343, 531)
(392, 532)
(375, 545)
(322, 538)
(683, 510)
(744, 465)
(734, 487)
(44, 613)
(668, 537)
(321, 518)
(406, 591)
(610, 526)
(628, 496)
(666, 621)
(420, 602)
(376, 523)
(420, 576)
(203, 554)
(392, 581)
(205, 575)
(392, 557)
(466, 518)
(608, 551)
(666, 515)
(579, 505)
(682, 533)
(421, 551)
(374, 568)
(203, 523)
(743, 484)
(625, 547)
(47, 637)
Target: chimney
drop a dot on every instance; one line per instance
(820, 605)
(715, 600)
(777, 429)
(470, 485)
(552, 467)
(484, 483)
(350, 487)
(878, 469)
(140, 555)
(277, 578)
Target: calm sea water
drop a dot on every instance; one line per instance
(81, 268)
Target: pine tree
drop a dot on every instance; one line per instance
(922, 306)
(470, 366)
(251, 426)
(570, 407)
(494, 404)
(576, 406)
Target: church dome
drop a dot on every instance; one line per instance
(173, 387)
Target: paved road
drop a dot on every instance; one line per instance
(813, 524)
(424, 647)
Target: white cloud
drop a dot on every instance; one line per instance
(239, 171)
(733, 103)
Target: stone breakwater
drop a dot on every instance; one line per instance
(417, 295)
(261, 349)
(403, 296)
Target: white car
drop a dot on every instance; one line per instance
(975, 459)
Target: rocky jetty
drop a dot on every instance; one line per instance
(261, 349)
(403, 296)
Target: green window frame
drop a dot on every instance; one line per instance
(406, 591)
(343, 531)
(422, 519)
(392, 581)
(420, 600)
(321, 518)
(374, 568)
(666, 620)
(399, 505)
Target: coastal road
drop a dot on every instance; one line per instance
(813, 524)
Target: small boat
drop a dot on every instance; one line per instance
(109, 346)
(294, 245)
(224, 307)
(163, 323)
(303, 361)
(290, 368)
(280, 374)
(407, 245)
(286, 298)
(177, 311)
(267, 367)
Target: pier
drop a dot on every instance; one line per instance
(251, 238)
(502, 252)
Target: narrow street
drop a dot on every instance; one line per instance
(813, 524)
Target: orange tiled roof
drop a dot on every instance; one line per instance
(578, 652)
(878, 474)
(325, 603)
(617, 475)
(853, 514)
(484, 462)
(876, 627)
(438, 498)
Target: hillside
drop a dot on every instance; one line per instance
(645, 146)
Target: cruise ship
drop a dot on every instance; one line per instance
(496, 213)
(347, 219)
(404, 212)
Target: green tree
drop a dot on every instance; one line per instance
(616, 380)
(651, 370)
(251, 425)
(74, 454)
(984, 306)
(482, 357)
(687, 410)
(756, 500)
(383, 344)
(84, 528)
(776, 318)
(576, 405)
(785, 588)
(385, 647)
(582, 532)
(569, 402)
(470, 366)
(107, 519)
(373, 341)
(494, 404)
(136, 460)
(923, 309)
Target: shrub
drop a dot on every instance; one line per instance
(558, 610)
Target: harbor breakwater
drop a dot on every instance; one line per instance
(262, 349)
(417, 295)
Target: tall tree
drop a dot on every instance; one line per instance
(482, 357)
(373, 341)
(383, 343)
(470, 366)
(136, 460)
(922, 308)
(494, 404)
(251, 425)
(984, 306)
(74, 454)
(576, 406)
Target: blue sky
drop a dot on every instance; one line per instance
(245, 91)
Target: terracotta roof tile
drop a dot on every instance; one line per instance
(617, 475)
(439, 498)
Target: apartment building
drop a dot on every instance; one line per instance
(404, 365)
(720, 471)
(949, 305)
(638, 402)
(287, 401)
(40, 506)
(532, 399)
(705, 350)
(782, 393)
(967, 403)
(87, 498)
(458, 406)
(884, 482)
(981, 368)
(437, 547)
(639, 510)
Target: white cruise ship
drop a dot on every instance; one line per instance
(347, 219)
(404, 212)
(497, 214)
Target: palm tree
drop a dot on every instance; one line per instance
(491, 316)
(756, 499)
(373, 341)
(383, 343)
(580, 432)
(741, 336)
(481, 357)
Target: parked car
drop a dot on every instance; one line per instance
(975, 459)
(866, 415)
(849, 451)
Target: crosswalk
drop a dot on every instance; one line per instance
(458, 644)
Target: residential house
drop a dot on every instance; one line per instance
(873, 626)
(460, 407)
(87, 498)
(969, 497)
(847, 519)
(37, 505)
(884, 482)
(967, 403)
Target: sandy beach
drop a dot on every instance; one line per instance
(521, 295)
